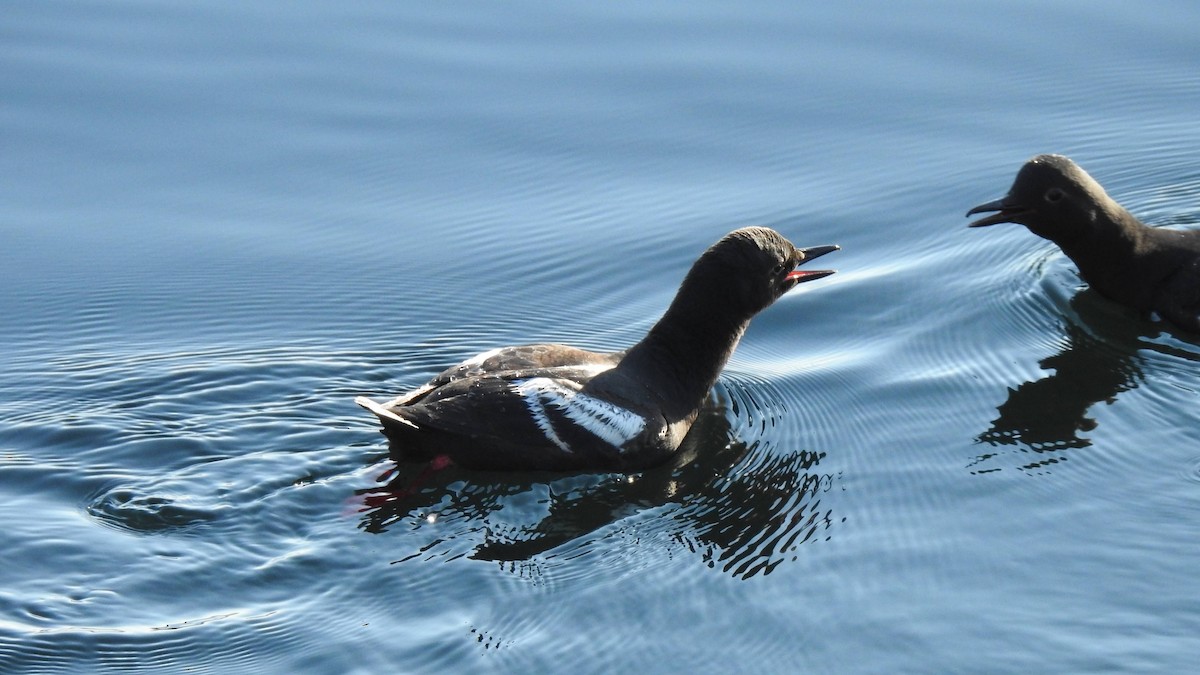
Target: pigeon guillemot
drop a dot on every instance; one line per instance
(560, 408)
(1142, 267)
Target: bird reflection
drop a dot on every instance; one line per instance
(744, 522)
(1048, 416)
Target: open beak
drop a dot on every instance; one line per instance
(807, 254)
(1005, 209)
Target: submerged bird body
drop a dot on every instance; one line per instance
(560, 408)
(1145, 268)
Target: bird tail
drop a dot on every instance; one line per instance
(387, 417)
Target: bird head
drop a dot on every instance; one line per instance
(1051, 196)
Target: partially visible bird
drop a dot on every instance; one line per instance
(561, 408)
(1148, 269)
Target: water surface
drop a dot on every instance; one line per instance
(221, 222)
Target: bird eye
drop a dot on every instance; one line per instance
(1053, 195)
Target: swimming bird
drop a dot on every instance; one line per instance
(1148, 269)
(561, 408)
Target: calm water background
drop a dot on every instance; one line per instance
(221, 221)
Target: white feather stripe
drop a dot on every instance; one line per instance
(532, 390)
(607, 421)
(611, 423)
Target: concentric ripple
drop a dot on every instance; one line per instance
(731, 498)
(221, 222)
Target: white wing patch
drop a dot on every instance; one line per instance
(607, 421)
(532, 390)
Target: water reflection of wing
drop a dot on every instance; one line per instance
(1048, 415)
(751, 522)
(745, 522)
(578, 513)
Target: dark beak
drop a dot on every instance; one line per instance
(807, 254)
(1005, 209)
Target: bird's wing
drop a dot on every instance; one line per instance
(524, 358)
(1178, 298)
(543, 413)
(536, 358)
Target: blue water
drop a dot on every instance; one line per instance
(220, 222)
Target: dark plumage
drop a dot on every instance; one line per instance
(1145, 268)
(556, 407)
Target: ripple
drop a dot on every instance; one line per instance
(205, 262)
(736, 505)
(1193, 470)
(225, 641)
(1100, 351)
(145, 513)
(760, 515)
(1034, 294)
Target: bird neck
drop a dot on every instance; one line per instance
(684, 353)
(1113, 254)
(1113, 244)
